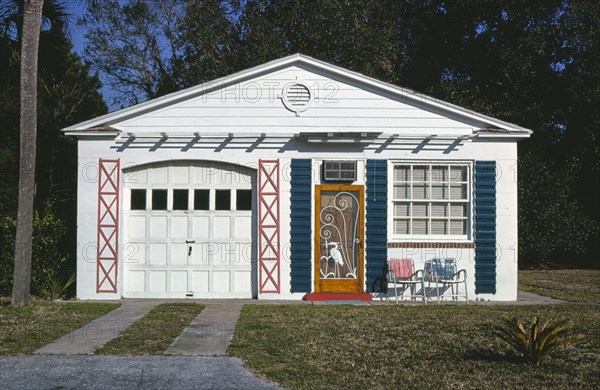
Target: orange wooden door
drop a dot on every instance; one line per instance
(339, 247)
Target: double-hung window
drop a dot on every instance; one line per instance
(431, 200)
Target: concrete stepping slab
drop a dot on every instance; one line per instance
(210, 333)
(88, 338)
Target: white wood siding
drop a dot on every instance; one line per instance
(255, 106)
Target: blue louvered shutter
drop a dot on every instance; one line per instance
(300, 229)
(376, 225)
(485, 227)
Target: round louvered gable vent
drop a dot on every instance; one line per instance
(297, 97)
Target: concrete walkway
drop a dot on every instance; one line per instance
(210, 333)
(85, 340)
(528, 298)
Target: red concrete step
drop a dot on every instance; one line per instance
(338, 297)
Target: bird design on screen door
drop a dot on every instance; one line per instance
(338, 260)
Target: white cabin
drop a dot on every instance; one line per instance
(296, 179)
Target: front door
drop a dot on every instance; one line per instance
(339, 259)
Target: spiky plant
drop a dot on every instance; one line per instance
(535, 342)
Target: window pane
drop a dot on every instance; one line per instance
(201, 199)
(438, 226)
(401, 173)
(420, 191)
(419, 226)
(419, 210)
(243, 200)
(458, 173)
(439, 210)
(401, 210)
(439, 173)
(401, 191)
(458, 210)
(401, 226)
(159, 199)
(138, 200)
(458, 226)
(180, 199)
(222, 199)
(420, 173)
(458, 191)
(439, 191)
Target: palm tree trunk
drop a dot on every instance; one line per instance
(30, 39)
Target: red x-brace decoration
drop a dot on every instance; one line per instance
(108, 226)
(268, 226)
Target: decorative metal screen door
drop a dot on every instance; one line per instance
(339, 229)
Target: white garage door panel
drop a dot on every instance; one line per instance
(137, 227)
(157, 260)
(201, 227)
(136, 281)
(242, 281)
(200, 281)
(221, 281)
(158, 281)
(179, 281)
(179, 227)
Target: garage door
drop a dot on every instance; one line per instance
(189, 231)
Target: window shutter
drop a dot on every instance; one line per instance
(300, 231)
(485, 227)
(376, 226)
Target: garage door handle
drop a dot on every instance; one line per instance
(190, 241)
(189, 250)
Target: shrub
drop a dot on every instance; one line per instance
(57, 287)
(50, 253)
(535, 344)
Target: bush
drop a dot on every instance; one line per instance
(50, 258)
(535, 344)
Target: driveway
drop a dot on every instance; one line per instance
(139, 372)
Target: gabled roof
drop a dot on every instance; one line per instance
(103, 123)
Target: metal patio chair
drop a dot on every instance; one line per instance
(401, 272)
(443, 272)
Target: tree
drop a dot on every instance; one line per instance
(67, 94)
(32, 17)
(147, 49)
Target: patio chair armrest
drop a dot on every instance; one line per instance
(460, 271)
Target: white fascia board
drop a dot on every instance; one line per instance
(295, 59)
(513, 135)
(92, 134)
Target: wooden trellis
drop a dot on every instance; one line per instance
(269, 248)
(108, 226)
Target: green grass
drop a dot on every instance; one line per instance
(341, 347)
(155, 332)
(574, 285)
(23, 330)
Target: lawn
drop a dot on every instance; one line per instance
(575, 285)
(447, 346)
(155, 332)
(24, 330)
